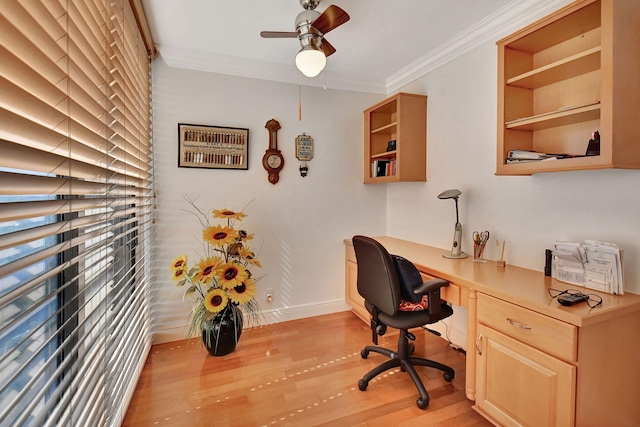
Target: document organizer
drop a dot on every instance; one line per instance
(593, 265)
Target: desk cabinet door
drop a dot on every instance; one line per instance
(518, 385)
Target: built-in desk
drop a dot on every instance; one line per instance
(531, 361)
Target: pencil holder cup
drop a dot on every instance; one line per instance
(478, 251)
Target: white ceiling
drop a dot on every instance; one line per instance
(385, 43)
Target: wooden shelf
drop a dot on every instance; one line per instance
(561, 117)
(403, 118)
(385, 155)
(567, 59)
(575, 65)
(386, 129)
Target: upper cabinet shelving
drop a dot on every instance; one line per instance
(401, 118)
(559, 81)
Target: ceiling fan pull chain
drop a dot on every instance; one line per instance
(299, 103)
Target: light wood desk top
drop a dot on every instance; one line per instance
(521, 286)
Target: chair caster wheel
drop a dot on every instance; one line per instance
(449, 376)
(362, 385)
(364, 353)
(422, 403)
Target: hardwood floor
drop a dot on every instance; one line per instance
(298, 373)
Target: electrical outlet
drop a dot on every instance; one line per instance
(270, 295)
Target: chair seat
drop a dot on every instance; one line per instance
(410, 319)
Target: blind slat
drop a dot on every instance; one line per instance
(12, 211)
(22, 237)
(22, 157)
(19, 184)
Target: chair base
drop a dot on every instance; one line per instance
(406, 363)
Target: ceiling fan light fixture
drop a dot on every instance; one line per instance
(311, 61)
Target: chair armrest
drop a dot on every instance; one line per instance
(431, 288)
(430, 285)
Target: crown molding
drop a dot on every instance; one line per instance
(514, 16)
(264, 70)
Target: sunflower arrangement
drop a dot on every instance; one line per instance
(221, 279)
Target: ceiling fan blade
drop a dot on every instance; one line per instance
(327, 47)
(278, 34)
(330, 19)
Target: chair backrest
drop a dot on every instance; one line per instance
(378, 281)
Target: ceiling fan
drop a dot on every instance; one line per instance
(311, 26)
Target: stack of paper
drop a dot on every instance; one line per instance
(594, 265)
(515, 156)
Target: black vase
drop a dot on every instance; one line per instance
(221, 334)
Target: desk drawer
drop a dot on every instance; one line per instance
(450, 294)
(547, 334)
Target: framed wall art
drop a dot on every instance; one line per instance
(212, 147)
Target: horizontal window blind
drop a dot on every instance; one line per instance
(76, 209)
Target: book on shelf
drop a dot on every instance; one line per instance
(383, 167)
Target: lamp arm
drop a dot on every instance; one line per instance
(457, 218)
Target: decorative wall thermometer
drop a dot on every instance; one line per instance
(272, 159)
(304, 152)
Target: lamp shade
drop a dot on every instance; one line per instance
(310, 61)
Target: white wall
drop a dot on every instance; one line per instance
(530, 212)
(299, 223)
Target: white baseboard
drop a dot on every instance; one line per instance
(302, 311)
(276, 315)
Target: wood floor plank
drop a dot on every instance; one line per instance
(298, 373)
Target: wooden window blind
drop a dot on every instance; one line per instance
(76, 210)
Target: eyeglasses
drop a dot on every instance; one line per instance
(593, 300)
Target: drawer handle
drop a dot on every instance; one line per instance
(478, 344)
(518, 324)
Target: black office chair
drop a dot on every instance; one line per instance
(381, 279)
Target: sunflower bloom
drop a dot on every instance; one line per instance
(178, 275)
(228, 214)
(244, 292)
(232, 275)
(216, 300)
(180, 263)
(206, 270)
(249, 256)
(219, 236)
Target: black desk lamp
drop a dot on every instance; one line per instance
(456, 249)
